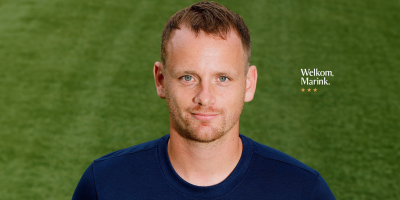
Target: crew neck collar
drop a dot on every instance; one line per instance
(204, 191)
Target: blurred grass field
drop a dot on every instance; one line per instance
(76, 83)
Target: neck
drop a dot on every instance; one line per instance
(205, 164)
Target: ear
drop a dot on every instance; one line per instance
(159, 79)
(251, 82)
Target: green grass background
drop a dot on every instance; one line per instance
(76, 83)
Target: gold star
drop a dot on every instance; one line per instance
(315, 89)
(309, 90)
(302, 90)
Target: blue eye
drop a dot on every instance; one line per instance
(223, 78)
(187, 78)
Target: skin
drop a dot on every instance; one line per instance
(205, 86)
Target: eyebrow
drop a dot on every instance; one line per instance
(181, 72)
(185, 72)
(223, 73)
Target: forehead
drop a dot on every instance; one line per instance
(187, 48)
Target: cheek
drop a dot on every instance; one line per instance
(232, 95)
(233, 101)
(176, 96)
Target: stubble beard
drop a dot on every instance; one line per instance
(200, 131)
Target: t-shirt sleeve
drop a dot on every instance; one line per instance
(86, 189)
(322, 192)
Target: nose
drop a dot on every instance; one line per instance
(205, 95)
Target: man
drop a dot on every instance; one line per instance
(205, 77)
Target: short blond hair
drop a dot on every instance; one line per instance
(210, 17)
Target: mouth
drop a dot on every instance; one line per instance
(204, 116)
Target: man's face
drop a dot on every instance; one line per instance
(204, 84)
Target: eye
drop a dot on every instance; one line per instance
(187, 78)
(223, 78)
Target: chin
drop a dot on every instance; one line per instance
(202, 134)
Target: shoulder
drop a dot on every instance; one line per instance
(136, 150)
(118, 172)
(281, 159)
(274, 168)
(132, 161)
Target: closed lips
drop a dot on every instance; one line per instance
(204, 116)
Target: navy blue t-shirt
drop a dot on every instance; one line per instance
(144, 172)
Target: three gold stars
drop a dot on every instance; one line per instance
(309, 89)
